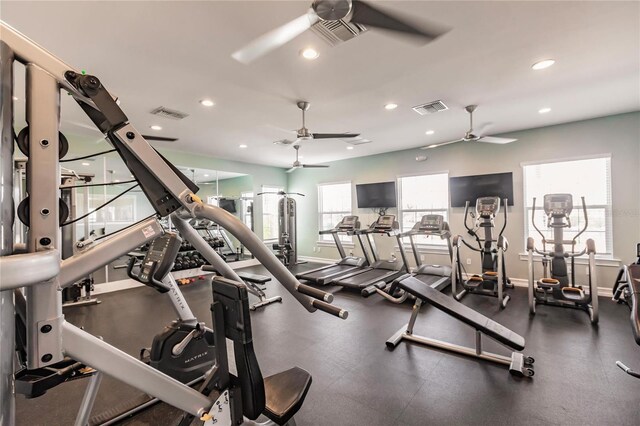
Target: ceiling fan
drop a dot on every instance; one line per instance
(297, 165)
(470, 136)
(355, 11)
(303, 134)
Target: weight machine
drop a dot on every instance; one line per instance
(50, 340)
(287, 246)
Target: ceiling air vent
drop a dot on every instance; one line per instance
(169, 113)
(430, 107)
(356, 141)
(336, 32)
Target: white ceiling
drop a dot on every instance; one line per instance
(175, 53)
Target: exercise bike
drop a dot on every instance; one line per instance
(493, 280)
(183, 350)
(557, 287)
(627, 291)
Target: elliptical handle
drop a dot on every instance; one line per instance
(586, 221)
(466, 216)
(533, 219)
(504, 207)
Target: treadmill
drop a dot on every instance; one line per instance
(381, 271)
(326, 274)
(437, 277)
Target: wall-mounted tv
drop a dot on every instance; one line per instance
(468, 188)
(227, 204)
(374, 195)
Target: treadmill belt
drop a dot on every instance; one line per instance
(367, 278)
(326, 275)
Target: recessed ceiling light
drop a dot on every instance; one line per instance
(544, 110)
(243, 146)
(432, 145)
(156, 127)
(206, 175)
(207, 102)
(116, 180)
(540, 65)
(390, 106)
(309, 53)
(15, 98)
(349, 147)
(86, 164)
(429, 132)
(130, 176)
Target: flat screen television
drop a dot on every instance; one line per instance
(227, 204)
(374, 195)
(469, 188)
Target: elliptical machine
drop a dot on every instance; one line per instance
(493, 280)
(557, 287)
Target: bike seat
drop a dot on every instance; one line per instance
(548, 283)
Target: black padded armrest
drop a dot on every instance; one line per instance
(462, 313)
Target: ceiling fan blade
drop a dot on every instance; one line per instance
(293, 169)
(334, 135)
(366, 14)
(491, 139)
(285, 142)
(275, 38)
(159, 138)
(356, 141)
(438, 145)
(315, 166)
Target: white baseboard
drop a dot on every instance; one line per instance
(317, 259)
(128, 283)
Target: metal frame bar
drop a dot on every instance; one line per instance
(7, 215)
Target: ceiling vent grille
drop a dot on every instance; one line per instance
(430, 107)
(336, 32)
(356, 141)
(169, 113)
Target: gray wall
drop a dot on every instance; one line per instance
(617, 135)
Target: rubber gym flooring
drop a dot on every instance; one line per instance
(357, 381)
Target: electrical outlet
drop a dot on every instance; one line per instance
(351, 253)
(319, 249)
(586, 270)
(422, 257)
(468, 261)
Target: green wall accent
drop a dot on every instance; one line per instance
(617, 135)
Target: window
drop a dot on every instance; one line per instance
(334, 202)
(247, 209)
(270, 212)
(421, 195)
(591, 179)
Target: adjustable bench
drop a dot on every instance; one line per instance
(253, 282)
(518, 364)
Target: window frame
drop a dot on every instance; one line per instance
(269, 188)
(327, 240)
(441, 245)
(528, 230)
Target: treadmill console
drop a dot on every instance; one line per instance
(558, 205)
(349, 224)
(487, 206)
(432, 223)
(157, 262)
(384, 223)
